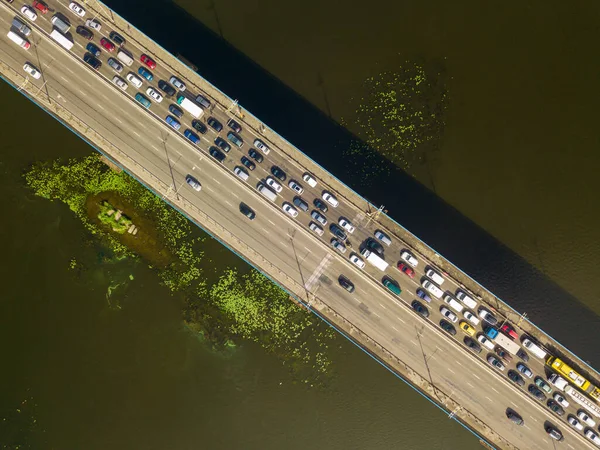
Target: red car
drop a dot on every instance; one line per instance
(148, 61)
(407, 270)
(40, 6)
(109, 46)
(510, 331)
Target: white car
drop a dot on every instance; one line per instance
(77, 9)
(120, 82)
(346, 225)
(137, 82)
(310, 180)
(574, 422)
(435, 276)
(585, 418)
(432, 288)
(154, 94)
(485, 341)
(177, 83)
(294, 186)
(560, 400)
(274, 184)
(357, 261)
(592, 436)
(409, 258)
(338, 245)
(288, 208)
(32, 71)
(28, 12)
(316, 228)
(471, 317)
(195, 184)
(448, 314)
(329, 198)
(93, 24)
(262, 146)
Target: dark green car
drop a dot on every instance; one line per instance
(392, 286)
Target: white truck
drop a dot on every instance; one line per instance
(190, 106)
(61, 39)
(506, 343)
(374, 259)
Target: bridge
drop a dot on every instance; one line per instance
(415, 348)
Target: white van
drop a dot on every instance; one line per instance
(60, 24)
(467, 300)
(241, 173)
(453, 303)
(435, 276)
(535, 349)
(264, 190)
(125, 58)
(432, 288)
(19, 40)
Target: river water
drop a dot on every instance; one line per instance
(517, 159)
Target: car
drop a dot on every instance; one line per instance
(247, 211)
(166, 88)
(318, 217)
(346, 225)
(234, 126)
(539, 395)
(346, 283)
(409, 258)
(222, 144)
(300, 203)
(142, 100)
(320, 204)
(214, 124)
(177, 83)
(173, 122)
(420, 308)
(555, 407)
(392, 285)
(374, 246)
(28, 12)
(235, 139)
(146, 74)
(447, 327)
(330, 198)
(117, 38)
(448, 314)
(294, 186)
(115, 65)
(288, 208)
(203, 101)
(93, 49)
(338, 245)
(465, 299)
(109, 46)
(383, 237)
(503, 353)
(471, 317)
(248, 163)
(40, 6)
(560, 400)
(432, 288)
(337, 232)
(84, 32)
(274, 184)
(435, 276)
(31, 70)
(592, 436)
(77, 9)
(509, 331)
(585, 418)
(195, 184)
(357, 261)
(514, 417)
(472, 344)
(177, 112)
(93, 24)
(539, 382)
(216, 153)
(467, 328)
(199, 126)
(154, 94)
(310, 179)
(95, 63)
(516, 378)
(148, 61)
(408, 271)
(316, 228)
(192, 137)
(524, 370)
(495, 362)
(120, 82)
(574, 422)
(487, 316)
(278, 173)
(553, 432)
(485, 341)
(134, 80)
(422, 294)
(523, 355)
(252, 153)
(262, 146)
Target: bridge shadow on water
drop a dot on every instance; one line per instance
(471, 248)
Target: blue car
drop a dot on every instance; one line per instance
(175, 111)
(173, 122)
(191, 136)
(93, 49)
(145, 73)
(143, 100)
(422, 294)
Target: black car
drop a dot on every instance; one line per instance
(234, 126)
(216, 153)
(503, 353)
(553, 432)
(199, 126)
(346, 283)
(337, 232)
(83, 31)
(514, 417)
(166, 88)
(214, 124)
(555, 407)
(374, 246)
(301, 204)
(176, 111)
(278, 173)
(117, 38)
(539, 395)
(472, 344)
(320, 204)
(89, 58)
(116, 65)
(247, 211)
(523, 355)
(448, 327)
(222, 144)
(420, 308)
(516, 378)
(256, 156)
(248, 163)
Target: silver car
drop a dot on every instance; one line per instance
(318, 217)
(177, 83)
(338, 245)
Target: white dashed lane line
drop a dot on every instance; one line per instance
(395, 328)
(476, 376)
(400, 319)
(382, 306)
(450, 370)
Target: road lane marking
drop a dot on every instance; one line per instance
(450, 370)
(527, 427)
(136, 133)
(271, 222)
(488, 398)
(494, 389)
(457, 362)
(82, 91)
(101, 107)
(228, 202)
(382, 306)
(414, 342)
(470, 384)
(395, 328)
(318, 271)
(376, 314)
(307, 248)
(400, 319)
(570, 445)
(64, 79)
(216, 181)
(476, 376)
